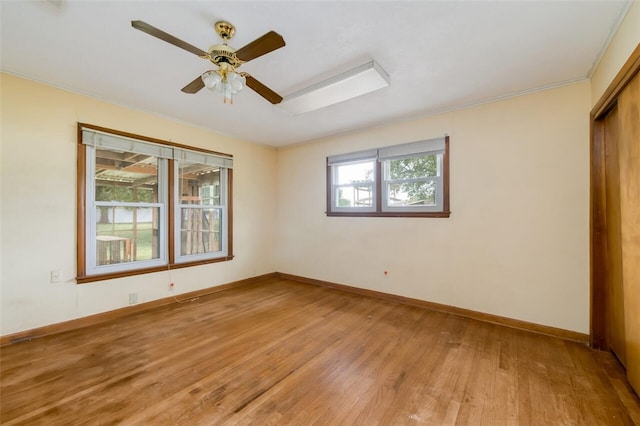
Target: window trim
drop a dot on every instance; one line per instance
(379, 182)
(82, 228)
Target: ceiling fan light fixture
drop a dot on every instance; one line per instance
(211, 79)
(236, 81)
(225, 81)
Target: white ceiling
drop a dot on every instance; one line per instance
(440, 55)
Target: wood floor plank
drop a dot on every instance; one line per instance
(282, 352)
(336, 367)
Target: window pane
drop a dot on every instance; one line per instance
(354, 172)
(411, 194)
(354, 196)
(413, 167)
(126, 177)
(199, 230)
(199, 184)
(126, 234)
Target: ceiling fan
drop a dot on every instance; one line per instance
(225, 79)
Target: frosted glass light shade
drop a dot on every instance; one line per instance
(211, 79)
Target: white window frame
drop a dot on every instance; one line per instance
(383, 157)
(348, 159)
(94, 140)
(224, 249)
(413, 150)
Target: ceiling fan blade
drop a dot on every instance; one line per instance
(260, 46)
(194, 86)
(153, 31)
(263, 90)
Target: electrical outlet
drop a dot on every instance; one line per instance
(133, 298)
(56, 276)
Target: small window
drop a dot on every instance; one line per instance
(402, 180)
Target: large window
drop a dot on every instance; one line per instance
(404, 180)
(146, 205)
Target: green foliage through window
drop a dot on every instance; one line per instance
(414, 168)
(123, 193)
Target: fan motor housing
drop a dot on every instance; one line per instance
(222, 53)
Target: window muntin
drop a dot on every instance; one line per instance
(402, 180)
(127, 200)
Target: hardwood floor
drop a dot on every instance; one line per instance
(282, 352)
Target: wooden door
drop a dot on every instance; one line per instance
(615, 219)
(616, 326)
(629, 161)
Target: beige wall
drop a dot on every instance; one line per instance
(38, 210)
(516, 243)
(620, 48)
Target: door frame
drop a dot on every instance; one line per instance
(599, 292)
